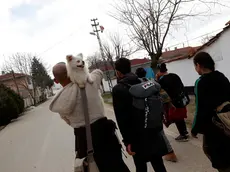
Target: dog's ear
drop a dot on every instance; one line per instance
(80, 55)
(69, 58)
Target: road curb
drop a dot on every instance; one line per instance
(2, 127)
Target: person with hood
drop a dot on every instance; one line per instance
(145, 145)
(171, 156)
(68, 103)
(174, 87)
(212, 89)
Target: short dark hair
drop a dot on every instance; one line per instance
(162, 67)
(123, 65)
(140, 72)
(205, 60)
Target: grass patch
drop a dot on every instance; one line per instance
(107, 98)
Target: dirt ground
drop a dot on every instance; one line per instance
(191, 110)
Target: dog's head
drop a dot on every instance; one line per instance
(75, 62)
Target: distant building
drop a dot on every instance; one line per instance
(24, 84)
(135, 63)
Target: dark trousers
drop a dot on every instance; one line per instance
(181, 126)
(156, 161)
(107, 149)
(110, 162)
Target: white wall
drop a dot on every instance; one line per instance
(220, 52)
(106, 85)
(185, 69)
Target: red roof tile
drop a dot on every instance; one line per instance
(9, 76)
(134, 62)
(178, 54)
(139, 61)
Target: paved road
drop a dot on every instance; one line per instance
(40, 142)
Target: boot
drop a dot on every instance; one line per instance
(171, 157)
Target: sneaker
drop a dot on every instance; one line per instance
(182, 138)
(171, 157)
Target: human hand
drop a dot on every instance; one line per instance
(129, 150)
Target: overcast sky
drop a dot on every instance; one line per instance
(56, 28)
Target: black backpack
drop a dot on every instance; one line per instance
(181, 99)
(146, 97)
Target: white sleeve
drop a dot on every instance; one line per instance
(97, 76)
(65, 101)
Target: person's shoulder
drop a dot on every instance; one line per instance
(119, 87)
(173, 75)
(222, 78)
(221, 75)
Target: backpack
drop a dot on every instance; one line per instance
(146, 97)
(181, 100)
(222, 118)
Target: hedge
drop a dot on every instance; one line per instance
(11, 105)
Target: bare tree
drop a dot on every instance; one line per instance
(149, 21)
(109, 54)
(205, 39)
(94, 61)
(115, 48)
(121, 50)
(19, 62)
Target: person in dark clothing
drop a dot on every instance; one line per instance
(211, 90)
(173, 85)
(145, 145)
(104, 141)
(171, 156)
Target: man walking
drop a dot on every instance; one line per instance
(171, 156)
(145, 145)
(68, 103)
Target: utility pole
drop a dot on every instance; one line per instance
(96, 32)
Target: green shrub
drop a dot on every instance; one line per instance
(18, 99)
(11, 105)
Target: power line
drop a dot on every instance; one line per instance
(194, 38)
(55, 44)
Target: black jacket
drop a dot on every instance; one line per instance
(131, 120)
(122, 103)
(212, 90)
(172, 84)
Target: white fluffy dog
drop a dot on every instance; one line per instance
(77, 70)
